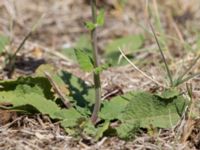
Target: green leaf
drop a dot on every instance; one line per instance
(100, 18)
(40, 72)
(89, 128)
(28, 93)
(4, 40)
(40, 83)
(130, 44)
(83, 43)
(100, 21)
(95, 132)
(73, 87)
(34, 95)
(101, 68)
(128, 130)
(81, 93)
(145, 109)
(169, 93)
(85, 61)
(113, 108)
(70, 117)
(101, 130)
(45, 68)
(90, 25)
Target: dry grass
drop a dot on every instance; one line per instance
(63, 25)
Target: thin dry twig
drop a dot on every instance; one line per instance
(140, 71)
(58, 91)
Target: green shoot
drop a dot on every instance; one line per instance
(180, 79)
(99, 21)
(162, 55)
(97, 82)
(178, 82)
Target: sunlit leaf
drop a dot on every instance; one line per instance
(85, 61)
(145, 110)
(90, 25)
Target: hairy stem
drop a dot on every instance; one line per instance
(97, 83)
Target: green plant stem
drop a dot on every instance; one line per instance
(12, 57)
(162, 55)
(189, 68)
(97, 82)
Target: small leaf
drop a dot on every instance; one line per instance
(90, 25)
(100, 18)
(101, 68)
(85, 61)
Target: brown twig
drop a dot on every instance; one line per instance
(58, 91)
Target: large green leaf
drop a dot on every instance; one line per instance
(40, 83)
(130, 44)
(73, 87)
(51, 70)
(145, 110)
(36, 93)
(81, 93)
(21, 94)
